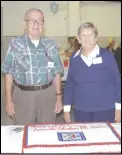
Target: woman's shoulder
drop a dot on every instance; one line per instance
(105, 51)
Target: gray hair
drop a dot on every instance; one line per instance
(32, 9)
(87, 25)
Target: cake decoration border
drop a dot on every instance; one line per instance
(70, 145)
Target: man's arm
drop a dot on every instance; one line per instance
(58, 84)
(59, 71)
(7, 69)
(8, 86)
(59, 105)
(8, 95)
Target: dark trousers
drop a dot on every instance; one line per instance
(97, 116)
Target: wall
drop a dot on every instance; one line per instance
(13, 15)
(105, 15)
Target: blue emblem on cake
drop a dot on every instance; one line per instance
(71, 136)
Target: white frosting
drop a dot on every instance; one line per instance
(80, 149)
(47, 135)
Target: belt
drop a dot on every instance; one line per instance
(31, 88)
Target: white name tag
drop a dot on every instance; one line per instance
(51, 64)
(97, 60)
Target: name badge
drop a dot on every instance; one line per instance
(51, 64)
(97, 60)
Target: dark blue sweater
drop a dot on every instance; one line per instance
(93, 88)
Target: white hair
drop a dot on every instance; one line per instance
(87, 25)
(32, 9)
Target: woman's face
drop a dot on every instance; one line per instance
(87, 38)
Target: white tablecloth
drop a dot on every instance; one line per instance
(12, 143)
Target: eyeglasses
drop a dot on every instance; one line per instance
(32, 21)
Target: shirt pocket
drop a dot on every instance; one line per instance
(22, 62)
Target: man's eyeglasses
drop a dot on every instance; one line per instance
(31, 21)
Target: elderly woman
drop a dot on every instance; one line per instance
(93, 83)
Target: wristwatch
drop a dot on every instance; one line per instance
(57, 94)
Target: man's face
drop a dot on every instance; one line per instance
(34, 24)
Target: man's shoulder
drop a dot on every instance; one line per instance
(19, 39)
(48, 41)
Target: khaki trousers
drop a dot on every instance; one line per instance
(33, 107)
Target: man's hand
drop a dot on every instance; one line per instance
(67, 117)
(9, 108)
(58, 105)
(117, 116)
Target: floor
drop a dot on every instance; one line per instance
(5, 120)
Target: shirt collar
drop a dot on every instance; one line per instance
(28, 40)
(93, 54)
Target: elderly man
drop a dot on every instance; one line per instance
(33, 68)
(93, 82)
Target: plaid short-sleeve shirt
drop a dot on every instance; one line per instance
(29, 64)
